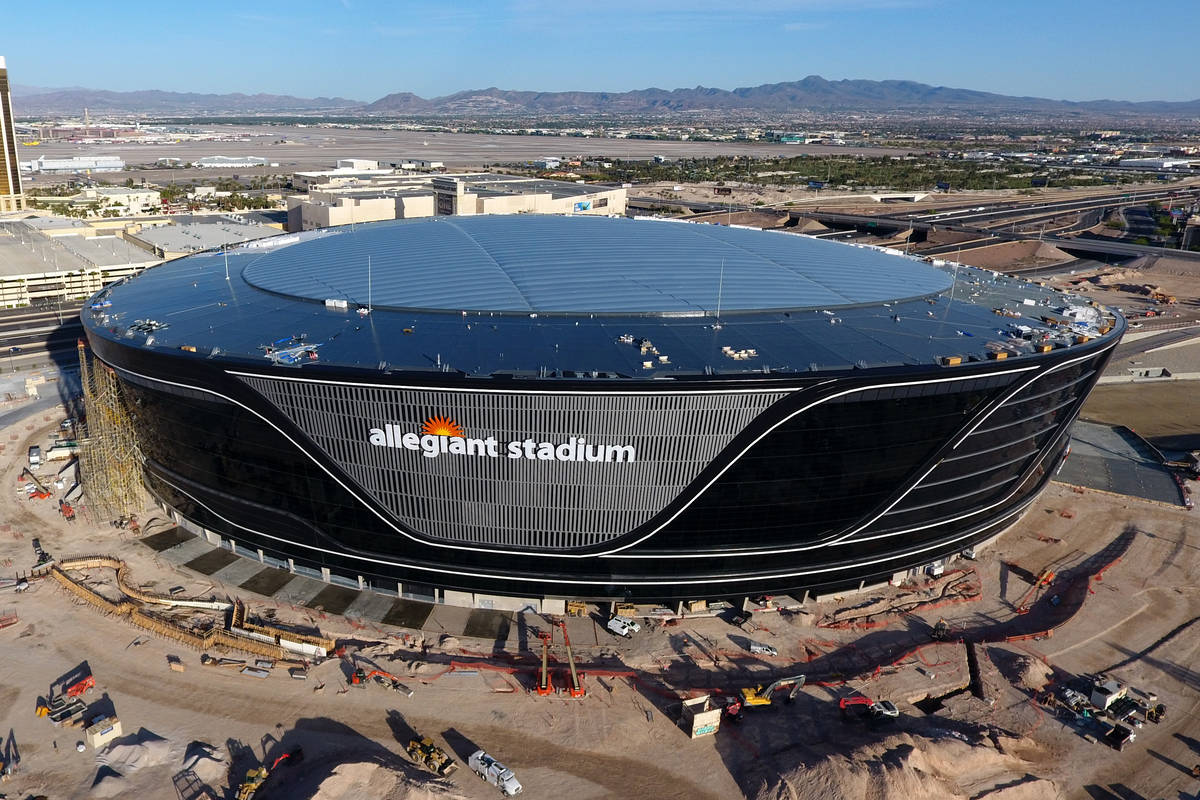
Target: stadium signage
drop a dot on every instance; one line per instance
(440, 436)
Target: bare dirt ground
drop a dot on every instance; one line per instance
(1135, 621)
(1014, 255)
(1166, 413)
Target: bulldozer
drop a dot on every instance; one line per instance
(423, 751)
(758, 697)
(256, 777)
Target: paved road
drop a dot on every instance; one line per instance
(48, 400)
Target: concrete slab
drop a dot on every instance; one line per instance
(1114, 460)
(164, 540)
(369, 605)
(267, 581)
(408, 614)
(332, 599)
(241, 570)
(183, 553)
(448, 619)
(299, 590)
(212, 561)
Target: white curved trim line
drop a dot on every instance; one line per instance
(636, 582)
(696, 495)
(614, 553)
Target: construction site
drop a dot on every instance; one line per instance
(1054, 662)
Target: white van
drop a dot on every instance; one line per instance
(623, 626)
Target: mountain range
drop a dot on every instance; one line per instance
(813, 93)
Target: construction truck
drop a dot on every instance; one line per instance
(863, 708)
(758, 697)
(494, 773)
(423, 751)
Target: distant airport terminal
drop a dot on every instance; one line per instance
(536, 406)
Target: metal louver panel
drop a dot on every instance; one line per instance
(499, 496)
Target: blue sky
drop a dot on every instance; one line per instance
(364, 50)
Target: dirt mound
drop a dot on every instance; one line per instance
(909, 767)
(1013, 255)
(1117, 277)
(359, 780)
(1031, 673)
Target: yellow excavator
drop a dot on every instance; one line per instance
(758, 697)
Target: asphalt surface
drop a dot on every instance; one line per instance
(1112, 459)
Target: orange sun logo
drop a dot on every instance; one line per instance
(442, 426)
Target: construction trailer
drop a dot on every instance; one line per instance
(701, 717)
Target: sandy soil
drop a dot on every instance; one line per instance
(1167, 414)
(621, 740)
(1013, 255)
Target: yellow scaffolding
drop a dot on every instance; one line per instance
(110, 463)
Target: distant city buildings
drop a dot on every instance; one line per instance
(74, 165)
(117, 201)
(12, 198)
(231, 162)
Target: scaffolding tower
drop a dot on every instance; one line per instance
(110, 464)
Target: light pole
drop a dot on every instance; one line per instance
(11, 351)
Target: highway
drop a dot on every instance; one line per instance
(29, 337)
(871, 222)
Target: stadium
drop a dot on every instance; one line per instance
(597, 408)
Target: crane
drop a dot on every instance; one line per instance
(576, 689)
(545, 687)
(1027, 600)
(41, 492)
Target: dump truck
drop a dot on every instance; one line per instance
(495, 773)
(422, 750)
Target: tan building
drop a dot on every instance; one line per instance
(44, 264)
(405, 197)
(12, 198)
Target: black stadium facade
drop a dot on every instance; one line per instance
(569, 407)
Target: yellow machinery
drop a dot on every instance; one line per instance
(758, 697)
(423, 751)
(254, 779)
